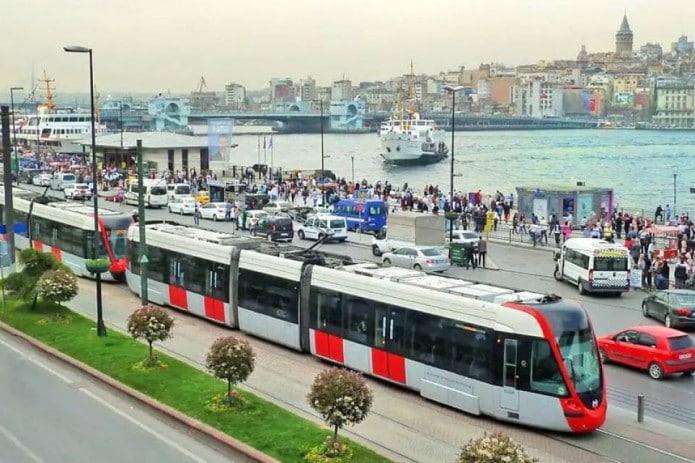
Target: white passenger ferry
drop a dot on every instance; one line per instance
(59, 129)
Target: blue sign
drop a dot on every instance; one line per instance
(220, 138)
(19, 227)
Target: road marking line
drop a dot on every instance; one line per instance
(12, 438)
(37, 362)
(143, 426)
(642, 444)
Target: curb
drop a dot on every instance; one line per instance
(523, 245)
(245, 450)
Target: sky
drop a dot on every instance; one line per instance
(166, 45)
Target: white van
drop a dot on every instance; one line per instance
(178, 190)
(62, 179)
(594, 265)
(155, 192)
(317, 226)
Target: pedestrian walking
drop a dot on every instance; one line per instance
(557, 232)
(482, 251)
(228, 211)
(680, 273)
(196, 214)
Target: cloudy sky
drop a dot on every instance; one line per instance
(155, 45)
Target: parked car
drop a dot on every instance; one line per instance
(659, 350)
(418, 257)
(250, 218)
(182, 205)
(465, 237)
(275, 228)
(213, 211)
(273, 207)
(675, 307)
(317, 226)
(42, 179)
(77, 191)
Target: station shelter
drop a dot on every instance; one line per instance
(568, 202)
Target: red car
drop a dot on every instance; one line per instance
(659, 350)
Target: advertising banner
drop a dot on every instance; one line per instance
(220, 139)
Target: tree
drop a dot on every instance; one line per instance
(232, 360)
(494, 448)
(152, 324)
(57, 286)
(341, 397)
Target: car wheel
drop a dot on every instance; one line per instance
(214, 218)
(668, 322)
(300, 234)
(655, 371)
(604, 358)
(580, 287)
(170, 211)
(557, 274)
(417, 267)
(688, 373)
(645, 311)
(387, 262)
(376, 251)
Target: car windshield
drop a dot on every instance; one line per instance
(182, 190)
(68, 178)
(610, 264)
(430, 252)
(680, 342)
(469, 236)
(158, 190)
(376, 210)
(337, 224)
(684, 299)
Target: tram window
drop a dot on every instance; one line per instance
(70, 239)
(216, 284)
(156, 265)
(545, 373)
(471, 351)
(360, 321)
(329, 314)
(193, 269)
(176, 275)
(426, 338)
(269, 295)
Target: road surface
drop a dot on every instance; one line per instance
(51, 412)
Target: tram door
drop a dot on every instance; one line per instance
(510, 376)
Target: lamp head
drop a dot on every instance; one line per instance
(452, 88)
(76, 49)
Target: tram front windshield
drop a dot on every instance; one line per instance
(117, 230)
(575, 338)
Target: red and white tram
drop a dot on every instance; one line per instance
(515, 356)
(66, 229)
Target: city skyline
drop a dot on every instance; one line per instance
(173, 51)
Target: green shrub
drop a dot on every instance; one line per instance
(33, 263)
(57, 286)
(494, 448)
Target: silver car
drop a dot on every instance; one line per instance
(428, 258)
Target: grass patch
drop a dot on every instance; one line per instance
(259, 423)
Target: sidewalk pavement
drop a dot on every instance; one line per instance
(402, 426)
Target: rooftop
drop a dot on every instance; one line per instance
(149, 140)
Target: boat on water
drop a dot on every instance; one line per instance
(408, 140)
(58, 129)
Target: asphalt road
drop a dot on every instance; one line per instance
(672, 399)
(50, 412)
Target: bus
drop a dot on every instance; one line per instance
(367, 215)
(515, 356)
(66, 229)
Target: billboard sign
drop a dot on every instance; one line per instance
(220, 139)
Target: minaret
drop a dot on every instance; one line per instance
(623, 38)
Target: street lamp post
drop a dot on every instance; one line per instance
(452, 90)
(14, 129)
(675, 175)
(101, 328)
(323, 190)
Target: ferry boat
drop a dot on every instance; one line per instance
(58, 129)
(407, 139)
